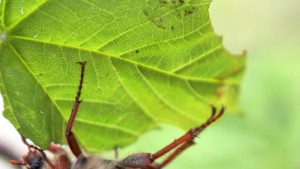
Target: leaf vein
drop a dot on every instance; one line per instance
(108, 126)
(27, 15)
(164, 101)
(207, 80)
(34, 77)
(136, 27)
(129, 94)
(123, 54)
(200, 57)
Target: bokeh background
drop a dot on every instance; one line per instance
(267, 134)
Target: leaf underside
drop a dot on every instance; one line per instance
(148, 62)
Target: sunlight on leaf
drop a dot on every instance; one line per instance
(147, 62)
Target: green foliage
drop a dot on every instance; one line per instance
(147, 62)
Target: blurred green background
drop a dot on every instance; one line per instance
(267, 134)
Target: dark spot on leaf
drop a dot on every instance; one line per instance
(137, 51)
(190, 11)
(159, 22)
(145, 12)
(220, 91)
(178, 13)
(163, 2)
(155, 11)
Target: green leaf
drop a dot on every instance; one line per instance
(147, 62)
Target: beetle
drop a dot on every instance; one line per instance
(37, 159)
